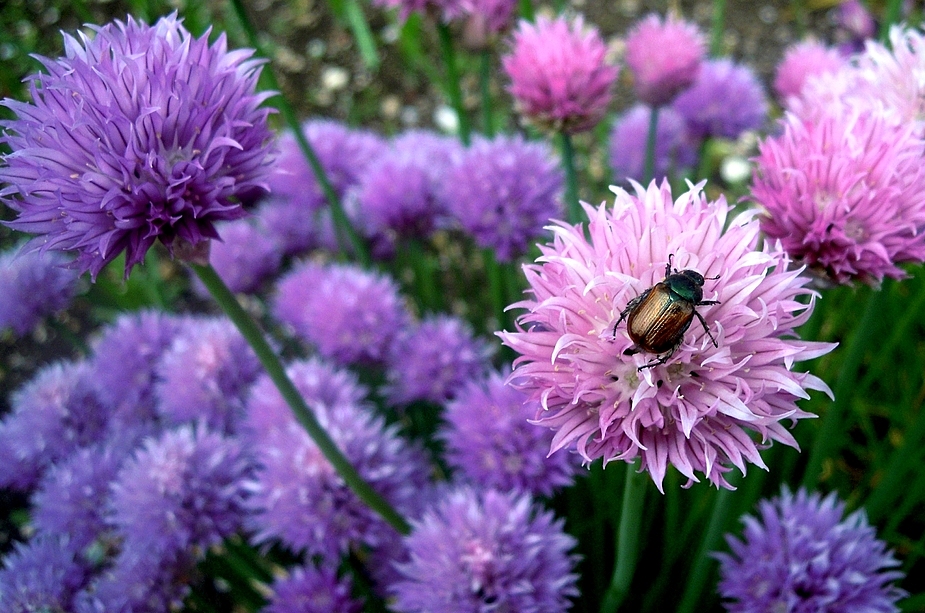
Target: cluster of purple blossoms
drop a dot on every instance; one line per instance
(141, 133)
(41, 575)
(486, 550)
(801, 554)
(296, 496)
(431, 360)
(308, 589)
(664, 57)
(491, 442)
(34, 285)
(485, 20)
(348, 314)
(856, 25)
(503, 192)
(560, 80)
(726, 100)
(205, 375)
(52, 416)
(399, 193)
(245, 257)
(695, 410)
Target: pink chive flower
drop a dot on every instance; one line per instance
(698, 410)
(845, 193)
(894, 74)
(801, 62)
(664, 57)
(559, 78)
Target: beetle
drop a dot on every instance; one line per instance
(657, 319)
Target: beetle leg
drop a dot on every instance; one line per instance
(629, 307)
(660, 360)
(668, 265)
(706, 329)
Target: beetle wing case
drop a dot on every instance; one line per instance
(659, 322)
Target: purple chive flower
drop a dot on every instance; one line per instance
(432, 360)
(181, 492)
(205, 375)
(560, 80)
(72, 497)
(726, 100)
(34, 285)
(856, 23)
(294, 226)
(139, 581)
(297, 497)
(697, 410)
(247, 255)
(845, 193)
(124, 361)
(490, 441)
(308, 589)
(675, 149)
(399, 193)
(802, 62)
(41, 575)
(800, 554)
(487, 551)
(485, 20)
(344, 154)
(54, 414)
(664, 57)
(350, 315)
(138, 134)
(503, 192)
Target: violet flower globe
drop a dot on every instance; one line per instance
(675, 149)
(664, 57)
(799, 553)
(139, 133)
(486, 551)
(560, 79)
(503, 192)
(34, 285)
(695, 411)
(307, 589)
(857, 216)
(491, 443)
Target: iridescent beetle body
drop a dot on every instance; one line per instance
(657, 319)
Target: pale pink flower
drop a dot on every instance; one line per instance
(698, 410)
(800, 63)
(845, 192)
(664, 57)
(559, 77)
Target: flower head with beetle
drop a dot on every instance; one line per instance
(696, 410)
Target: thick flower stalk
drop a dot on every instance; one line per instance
(140, 133)
(698, 410)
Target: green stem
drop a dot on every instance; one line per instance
(572, 204)
(271, 363)
(691, 598)
(833, 425)
(424, 282)
(627, 540)
(896, 477)
(496, 286)
(488, 117)
(345, 231)
(799, 16)
(717, 25)
(361, 33)
(453, 87)
(648, 172)
(526, 9)
(891, 16)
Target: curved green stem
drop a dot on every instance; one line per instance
(572, 204)
(361, 33)
(346, 233)
(891, 16)
(648, 172)
(271, 363)
(454, 89)
(829, 436)
(627, 540)
(700, 571)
